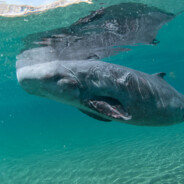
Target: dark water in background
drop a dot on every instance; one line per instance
(42, 141)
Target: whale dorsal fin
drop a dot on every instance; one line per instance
(109, 107)
(161, 74)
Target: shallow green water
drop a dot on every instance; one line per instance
(44, 142)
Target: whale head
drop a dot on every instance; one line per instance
(48, 79)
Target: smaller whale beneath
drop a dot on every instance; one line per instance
(104, 91)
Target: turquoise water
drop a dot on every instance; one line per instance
(45, 142)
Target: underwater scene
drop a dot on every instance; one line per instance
(91, 92)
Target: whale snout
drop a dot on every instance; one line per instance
(38, 79)
(37, 71)
(50, 80)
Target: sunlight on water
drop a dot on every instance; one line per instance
(28, 2)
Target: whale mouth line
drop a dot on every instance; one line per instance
(109, 107)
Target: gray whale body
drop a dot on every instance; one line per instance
(66, 68)
(105, 91)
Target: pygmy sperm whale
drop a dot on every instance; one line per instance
(104, 91)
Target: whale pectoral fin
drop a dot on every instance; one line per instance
(161, 74)
(109, 107)
(95, 116)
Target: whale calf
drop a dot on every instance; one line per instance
(104, 91)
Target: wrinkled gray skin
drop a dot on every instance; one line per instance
(103, 91)
(105, 32)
